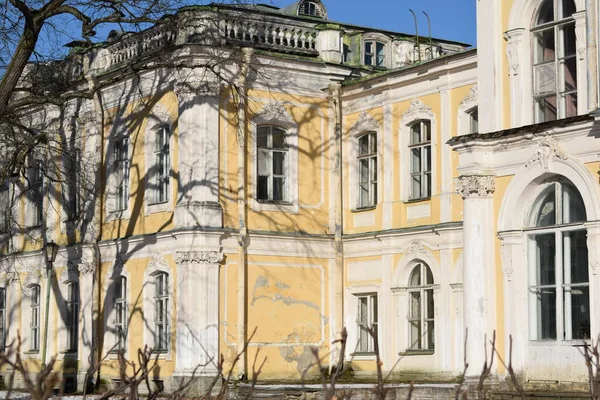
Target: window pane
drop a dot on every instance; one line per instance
(570, 105)
(570, 46)
(415, 305)
(569, 75)
(546, 313)
(373, 175)
(568, 8)
(363, 145)
(416, 187)
(415, 165)
(546, 13)
(427, 155)
(546, 109)
(573, 207)
(426, 188)
(429, 302)
(415, 277)
(372, 143)
(278, 189)
(278, 138)
(368, 60)
(426, 128)
(546, 205)
(545, 247)
(415, 131)
(545, 46)
(380, 49)
(263, 188)
(578, 298)
(545, 79)
(429, 276)
(364, 170)
(278, 163)
(262, 137)
(474, 121)
(369, 47)
(431, 335)
(415, 335)
(576, 257)
(263, 163)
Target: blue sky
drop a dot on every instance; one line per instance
(450, 19)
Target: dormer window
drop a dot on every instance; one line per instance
(375, 53)
(311, 8)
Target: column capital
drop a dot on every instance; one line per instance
(470, 186)
(198, 257)
(513, 37)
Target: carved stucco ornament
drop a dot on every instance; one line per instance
(546, 151)
(275, 111)
(471, 97)
(475, 185)
(8, 272)
(415, 248)
(416, 107)
(198, 257)
(365, 122)
(157, 262)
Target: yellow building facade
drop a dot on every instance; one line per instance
(286, 177)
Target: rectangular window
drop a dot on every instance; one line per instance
(3, 327)
(366, 318)
(72, 317)
(161, 314)
(374, 53)
(120, 322)
(272, 164)
(71, 195)
(367, 170)
(161, 173)
(420, 160)
(5, 215)
(34, 321)
(35, 195)
(121, 169)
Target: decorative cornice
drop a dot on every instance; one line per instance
(416, 107)
(365, 122)
(198, 257)
(547, 150)
(415, 248)
(194, 82)
(475, 185)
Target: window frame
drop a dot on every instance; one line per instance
(373, 39)
(121, 169)
(557, 26)
(159, 182)
(35, 309)
(35, 195)
(372, 159)
(563, 294)
(269, 153)
(120, 319)
(3, 318)
(162, 342)
(319, 10)
(363, 326)
(473, 123)
(424, 174)
(72, 310)
(423, 290)
(5, 208)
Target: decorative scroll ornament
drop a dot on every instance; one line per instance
(275, 111)
(198, 257)
(547, 150)
(364, 123)
(157, 262)
(475, 185)
(416, 107)
(415, 248)
(513, 37)
(87, 267)
(193, 82)
(8, 271)
(471, 97)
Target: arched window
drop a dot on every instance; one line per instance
(473, 115)
(420, 160)
(421, 308)
(34, 319)
(559, 303)
(71, 323)
(367, 170)
(161, 314)
(374, 53)
(272, 164)
(160, 171)
(554, 61)
(120, 322)
(311, 8)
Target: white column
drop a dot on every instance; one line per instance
(388, 157)
(87, 271)
(582, 88)
(593, 244)
(458, 327)
(198, 129)
(514, 38)
(443, 303)
(478, 265)
(197, 314)
(512, 251)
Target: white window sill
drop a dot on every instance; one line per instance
(363, 356)
(412, 353)
(290, 208)
(155, 208)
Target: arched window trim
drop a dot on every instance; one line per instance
(421, 296)
(520, 58)
(320, 10)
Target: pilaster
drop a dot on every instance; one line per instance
(581, 40)
(593, 245)
(197, 330)
(198, 142)
(514, 38)
(86, 267)
(478, 265)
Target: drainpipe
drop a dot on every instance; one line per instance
(592, 53)
(335, 95)
(240, 101)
